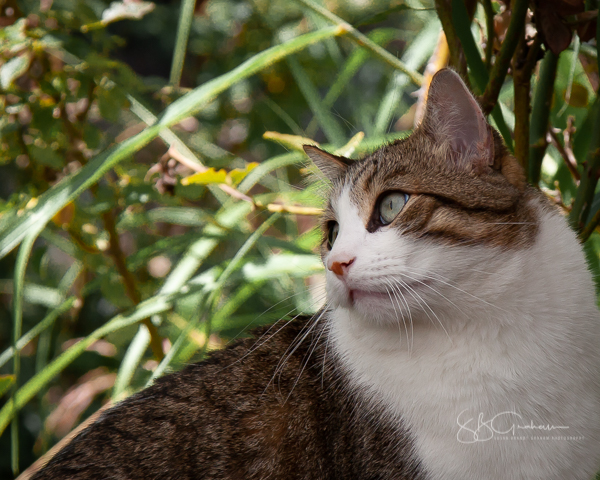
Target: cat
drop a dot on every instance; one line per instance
(460, 339)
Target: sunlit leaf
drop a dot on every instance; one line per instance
(205, 178)
(295, 142)
(126, 10)
(5, 383)
(13, 69)
(238, 174)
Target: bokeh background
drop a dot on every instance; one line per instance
(127, 252)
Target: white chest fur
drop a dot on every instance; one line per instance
(515, 340)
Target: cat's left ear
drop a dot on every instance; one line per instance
(332, 166)
(453, 116)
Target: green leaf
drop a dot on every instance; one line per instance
(5, 383)
(13, 69)
(205, 178)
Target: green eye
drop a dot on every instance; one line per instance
(391, 205)
(333, 230)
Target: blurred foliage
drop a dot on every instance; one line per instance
(158, 219)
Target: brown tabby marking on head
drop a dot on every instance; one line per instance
(464, 186)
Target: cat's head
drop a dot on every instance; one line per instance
(404, 225)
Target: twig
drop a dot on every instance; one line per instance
(590, 227)
(567, 156)
(363, 41)
(500, 68)
(128, 280)
(271, 207)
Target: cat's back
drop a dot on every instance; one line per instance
(272, 406)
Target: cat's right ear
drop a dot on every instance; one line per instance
(332, 166)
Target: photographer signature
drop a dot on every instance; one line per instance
(479, 430)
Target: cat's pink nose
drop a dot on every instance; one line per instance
(340, 268)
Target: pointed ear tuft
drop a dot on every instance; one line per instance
(332, 166)
(453, 117)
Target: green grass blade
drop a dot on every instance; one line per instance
(332, 129)
(210, 302)
(183, 32)
(70, 187)
(133, 356)
(416, 54)
(19, 281)
(364, 41)
(145, 309)
(460, 19)
(46, 322)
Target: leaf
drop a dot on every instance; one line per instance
(579, 96)
(349, 148)
(13, 69)
(295, 142)
(126, 10)
(5, 383)
(205, 178)
(236, 175)
(284, 264)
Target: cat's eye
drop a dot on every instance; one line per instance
(333, 229)
(391, 205)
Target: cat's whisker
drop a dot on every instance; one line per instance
(396, 292)
(412, 333)
(395, 311)
(415, 294)
(439, 279)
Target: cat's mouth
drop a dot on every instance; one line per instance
(406, 292)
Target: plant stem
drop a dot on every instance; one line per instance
(500, 68)
(489, 45)
(363, 41)
(540, 115)
(128, 280)
(183, 32)
(523, 63)
(457, 55)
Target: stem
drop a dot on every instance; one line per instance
(363, 41)
(523, 64)
(128, 280)
(183, 32)
(491, 34)
(500, 68)
(457, 56)
(540, 115)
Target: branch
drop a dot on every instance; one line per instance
(363, 41)
(500, 68)
(566, 153)
(128, 280)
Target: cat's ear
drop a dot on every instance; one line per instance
(453, 116)
(332, 166)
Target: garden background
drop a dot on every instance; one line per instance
(155, 201)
